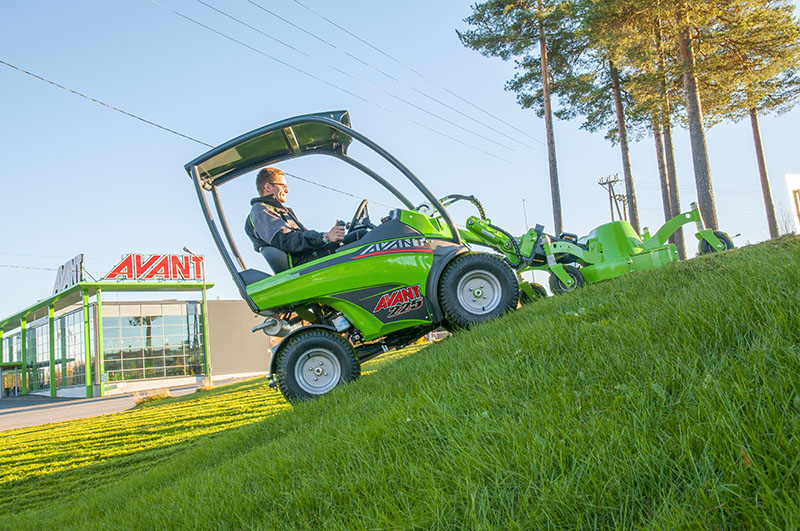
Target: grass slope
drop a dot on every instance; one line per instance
(664, 399)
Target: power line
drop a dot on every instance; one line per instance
(28, 267)
(317, 78)
(104, 104)
(160, 127)
(384, 73)
(423, 76)
(356, 78)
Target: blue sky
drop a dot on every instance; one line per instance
(81, 178)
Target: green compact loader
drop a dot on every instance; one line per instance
(413, 272)
(390, 285)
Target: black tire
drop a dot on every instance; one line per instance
(559, 288)
(707, 248)
(538, 289)
(494, 282)
(313, 363)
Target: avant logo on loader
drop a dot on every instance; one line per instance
(400, 301)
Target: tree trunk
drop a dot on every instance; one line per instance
(548, 121)
(665, 131)
(697, 133)
(630, 192)
(762, 171)
(674, 195)
(662, 170)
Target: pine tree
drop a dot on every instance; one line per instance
(751, 65)
(522, 30)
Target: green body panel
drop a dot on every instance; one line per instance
(614, 240)
(605, 270)
(334, 279)
(429, 227)
(293, 288)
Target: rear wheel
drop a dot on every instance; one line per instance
(559, 288)
(313, 363)
(476, 288)
(725, 240)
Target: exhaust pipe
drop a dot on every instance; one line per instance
(273, 327)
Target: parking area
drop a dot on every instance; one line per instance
(34, 410)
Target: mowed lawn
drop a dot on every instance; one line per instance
(667, 399)
(41, 464)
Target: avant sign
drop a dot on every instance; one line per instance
(158, 266)
(69, 274)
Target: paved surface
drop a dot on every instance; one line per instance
(34, 410)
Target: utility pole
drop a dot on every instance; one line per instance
(608, 183)
(622, 198)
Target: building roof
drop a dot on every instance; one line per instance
(74, 294)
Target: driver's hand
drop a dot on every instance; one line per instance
(336, 234)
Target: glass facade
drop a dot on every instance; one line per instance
(152, 340)
(70, 353)
(140, 341)
(70, 348)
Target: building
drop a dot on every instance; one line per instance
(72, 344)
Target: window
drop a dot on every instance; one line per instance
(152, 340)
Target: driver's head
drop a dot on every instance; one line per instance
(272, 181)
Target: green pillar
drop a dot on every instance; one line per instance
(206, 358)
(100, 357)
(63, 328)
(87, 345)
(2, 388)
(51, 347)
(24, 355)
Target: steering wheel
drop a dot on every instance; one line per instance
(361, 218)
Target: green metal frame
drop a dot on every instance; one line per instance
(80, 293)
(608, 251)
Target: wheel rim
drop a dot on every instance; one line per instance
(318, 371)
(479, 292)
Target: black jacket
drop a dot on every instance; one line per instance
(271, 223)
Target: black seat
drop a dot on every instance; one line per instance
(278, 260)
(251, 276)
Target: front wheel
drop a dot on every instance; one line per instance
(725, 240)
(477, 287)
(313, 363)
(559, 288)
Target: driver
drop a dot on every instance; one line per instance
(271, 223)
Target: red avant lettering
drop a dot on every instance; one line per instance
(180, 266)
(123, 269)
(408, 294)
(399, 296)
(161, 269)
(396, 298)
(199, 267)
(383, 303)
(142, 268)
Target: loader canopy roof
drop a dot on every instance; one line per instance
(273, 143)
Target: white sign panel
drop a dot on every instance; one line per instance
(793, 186)
(69, 274)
